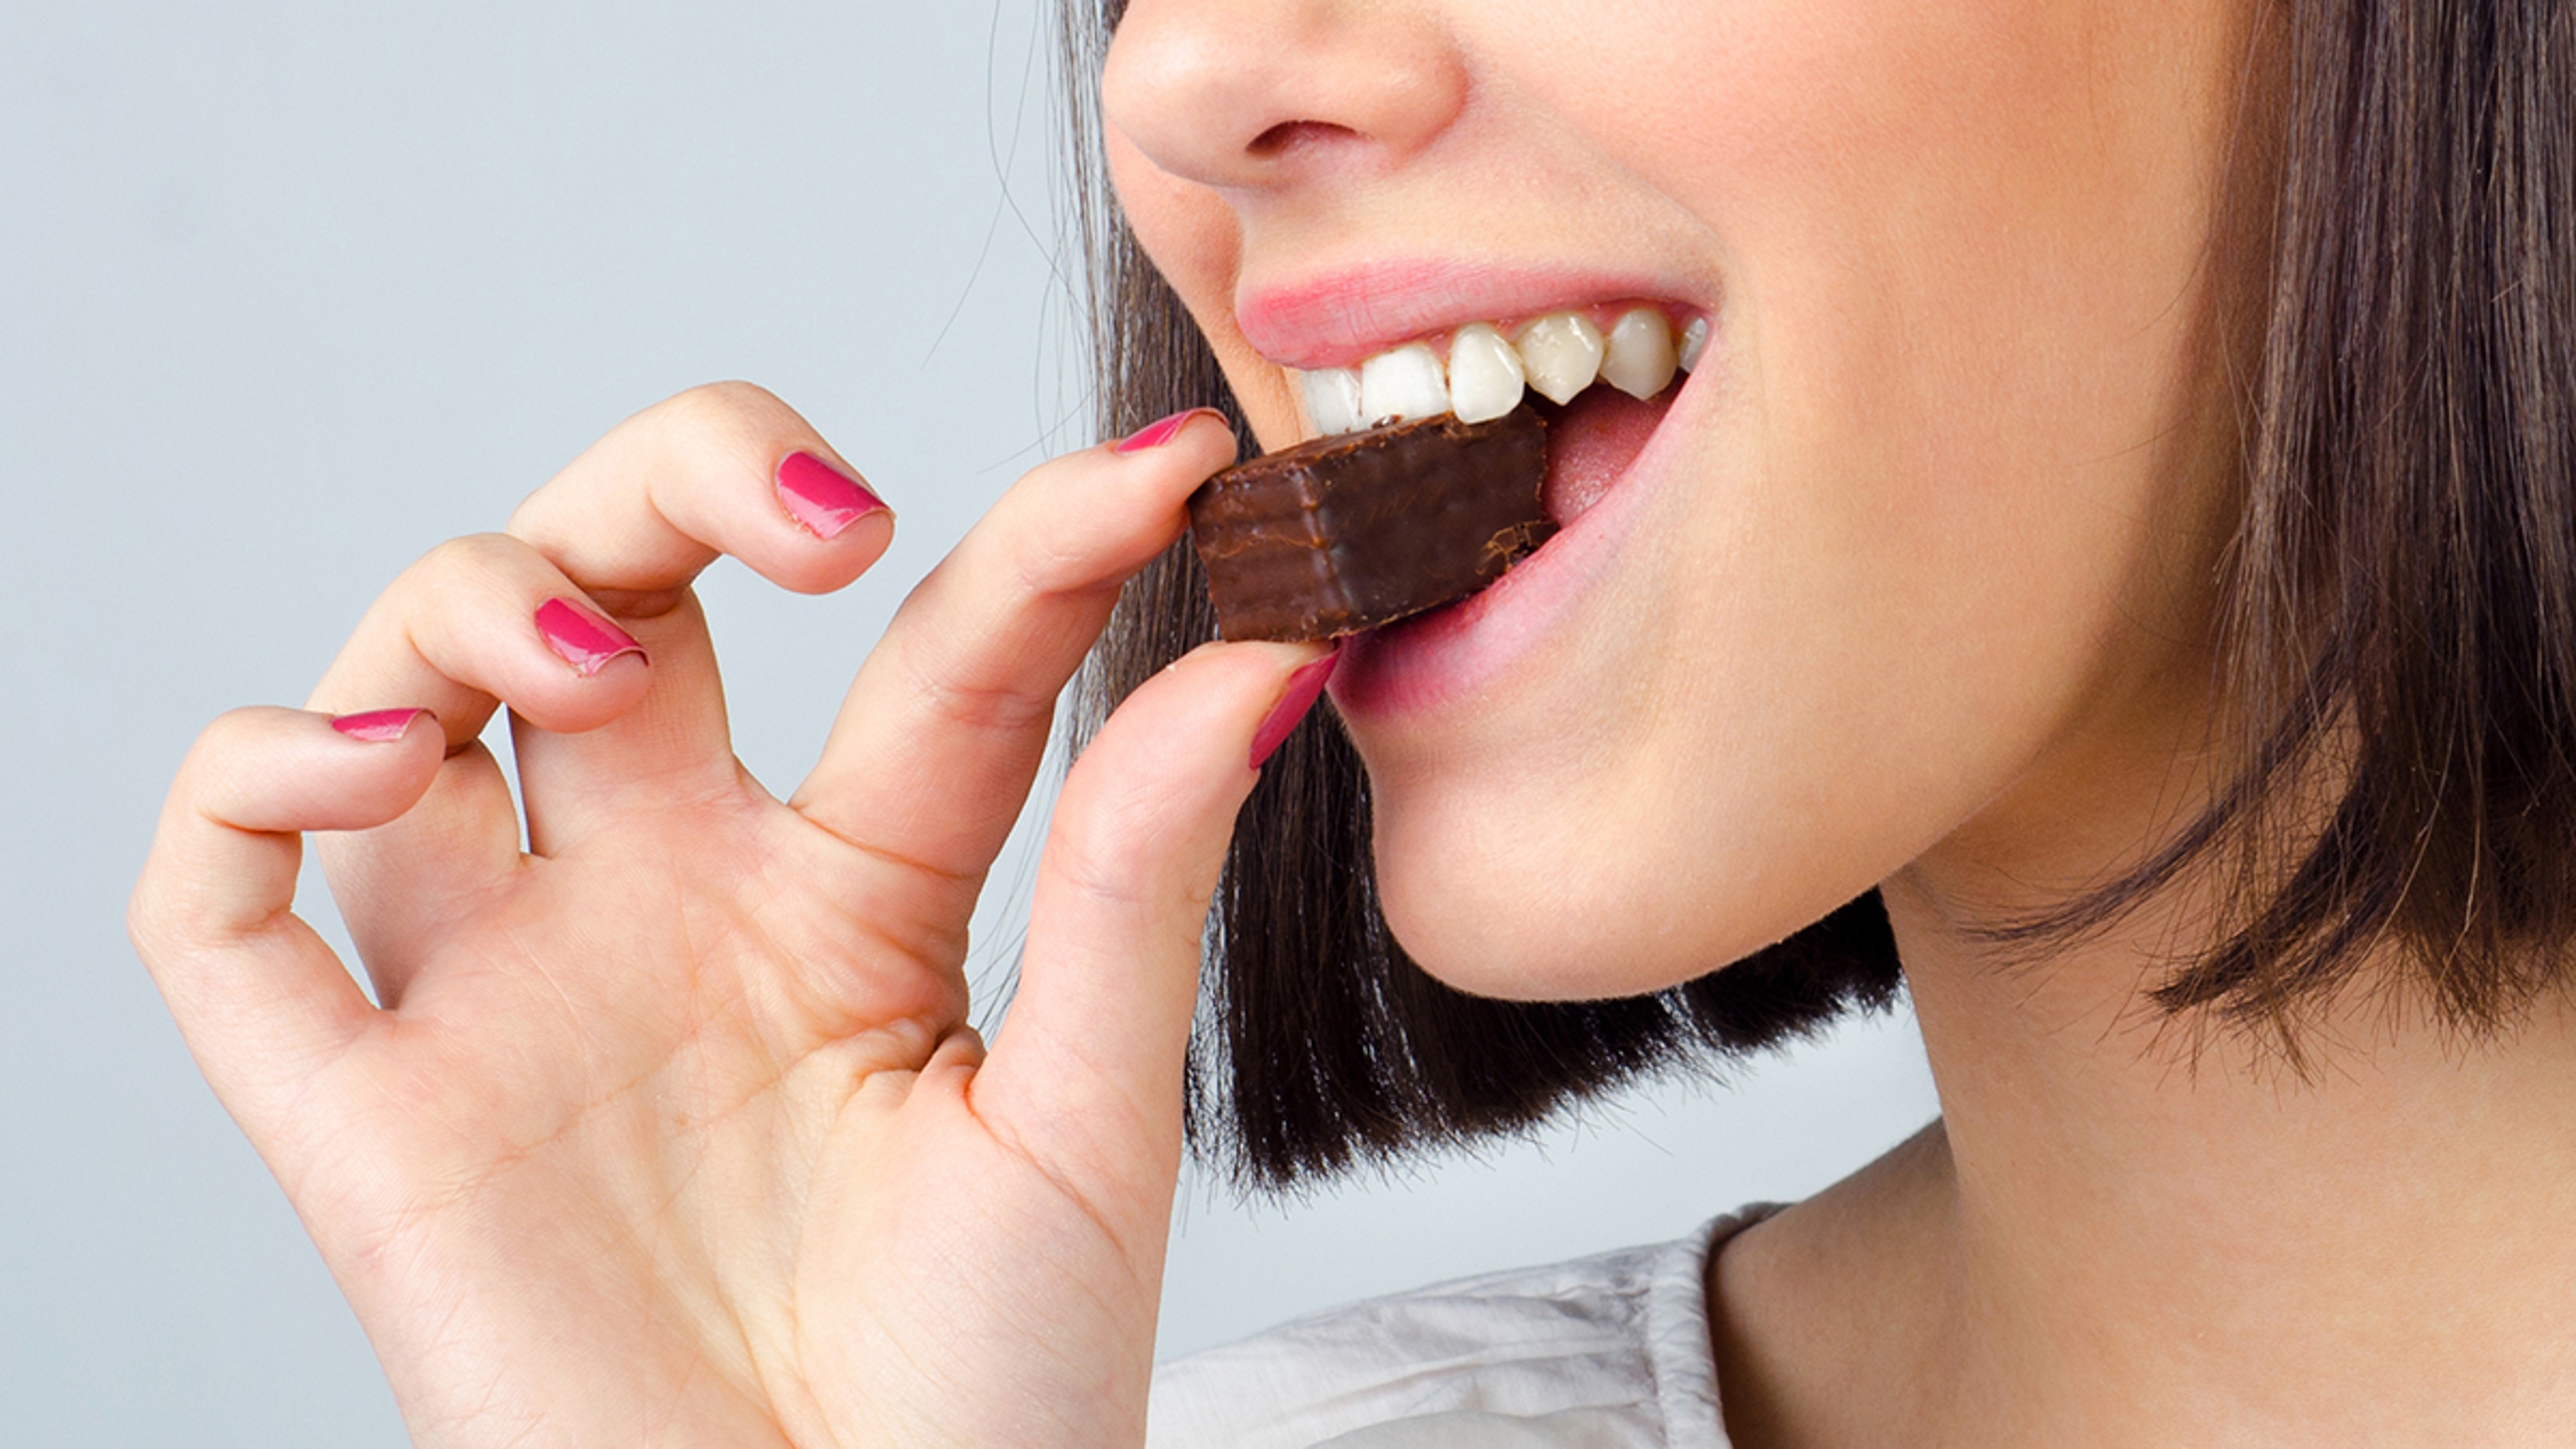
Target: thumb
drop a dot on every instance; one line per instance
(1086, 1075)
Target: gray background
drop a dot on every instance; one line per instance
(288, 292)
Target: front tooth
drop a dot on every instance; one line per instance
(1694, 342)
(1404, 383)
(1639, 359)
(1561, 353)
(1484, 374)
(1332, 400)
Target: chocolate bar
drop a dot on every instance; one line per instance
(1342, 534)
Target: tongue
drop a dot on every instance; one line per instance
(1591, 441)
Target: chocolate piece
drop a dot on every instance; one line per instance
(1343, 534)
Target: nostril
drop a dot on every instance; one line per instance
(1258, 93)
(1289, 136)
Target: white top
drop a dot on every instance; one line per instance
(1606, 1352)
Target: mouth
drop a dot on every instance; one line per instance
(1605, 376)
(1602, 376)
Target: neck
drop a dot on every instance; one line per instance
(2119, 1235)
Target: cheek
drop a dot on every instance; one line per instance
(1931, 538)
(1946, 224)
(1965, 251)
(1194, 241)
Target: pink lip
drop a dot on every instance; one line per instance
(1334, 318)
(1438, 659)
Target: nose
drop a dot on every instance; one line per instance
(1252, 93)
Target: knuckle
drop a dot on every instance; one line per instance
(474, 556)
(1019, 566)
(1045, 565)
(1035, 547)
(732, 397)
(218, 755)
(725, 416)
(720, 432)
(982, 709)
(224, 765)
(143, 918)
(151, 924)
(168, 913)
(163, 923)
(1093, 866)
(1110, 856)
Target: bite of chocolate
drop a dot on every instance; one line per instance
(1346, 533)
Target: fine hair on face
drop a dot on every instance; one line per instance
(2396, 693)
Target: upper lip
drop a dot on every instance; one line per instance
(1334, 318)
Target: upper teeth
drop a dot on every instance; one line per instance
(1559, 354)
(1404, 383)
(1563, 354)
(1640, 358)
(1485, 374)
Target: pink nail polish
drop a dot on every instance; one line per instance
(377, 726)
(822, 497)
(586, 641)
(1304, 687)
(1155, 435)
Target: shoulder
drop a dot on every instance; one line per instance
(1609, 1350)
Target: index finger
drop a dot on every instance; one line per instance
(943, 731)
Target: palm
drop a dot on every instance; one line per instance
(672, 1128)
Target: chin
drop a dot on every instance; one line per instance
(1522, 910)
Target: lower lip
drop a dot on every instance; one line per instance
(1437, 659)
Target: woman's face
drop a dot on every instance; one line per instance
(1909, 573)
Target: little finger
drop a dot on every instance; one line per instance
(261, 1000)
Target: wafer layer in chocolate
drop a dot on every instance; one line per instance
(1343, 534)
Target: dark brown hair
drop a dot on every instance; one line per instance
(2399, 622)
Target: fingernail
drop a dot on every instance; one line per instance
(585, 640)
(1155, 435)
(822, 497)
(1303, 687)
(377, 726)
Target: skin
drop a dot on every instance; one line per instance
(1919, 597)
(671, 1130)
(1933, 523)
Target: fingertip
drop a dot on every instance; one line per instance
(380, 726)
(1237, 699)
(593, 670)
(272, 771)
(815, 563)
(825, 498)
(1254, 662)
(352, 771)
(1297, 695)
(585, 638)
(419, 741)
(1178, 453)
(1167, 431)
(1281, 680)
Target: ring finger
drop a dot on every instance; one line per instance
(477, 621)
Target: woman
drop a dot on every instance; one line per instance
(2110, 553)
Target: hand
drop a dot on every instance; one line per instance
(671, 1130)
